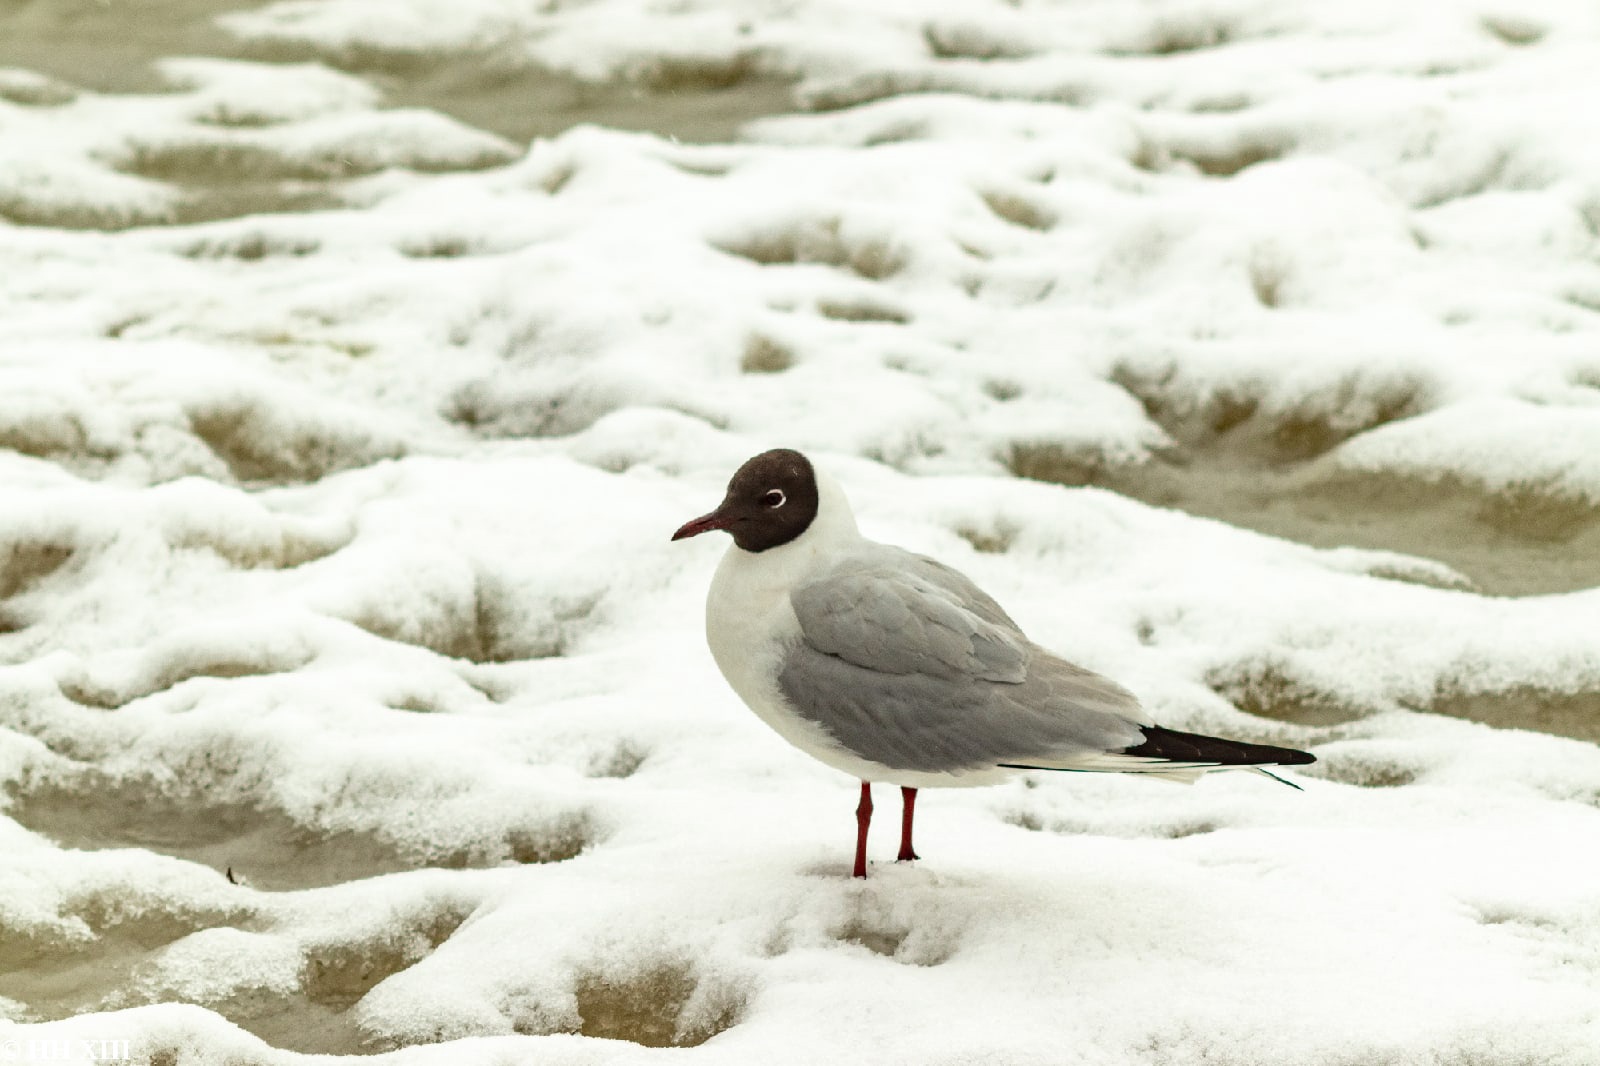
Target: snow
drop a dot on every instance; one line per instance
(354, 701)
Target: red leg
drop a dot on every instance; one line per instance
(908, 808)
(863, 819)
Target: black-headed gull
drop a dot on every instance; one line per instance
(893, 667)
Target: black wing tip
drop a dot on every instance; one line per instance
(1171, 745)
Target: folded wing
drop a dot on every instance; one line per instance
(907, 663)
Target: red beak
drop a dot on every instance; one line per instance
(704, 524)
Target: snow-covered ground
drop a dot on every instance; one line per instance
(354, 700)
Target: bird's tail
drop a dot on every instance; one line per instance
(1174, 756)
(1215, 753)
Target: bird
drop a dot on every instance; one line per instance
(894, 667)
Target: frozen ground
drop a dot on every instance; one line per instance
(354, 700)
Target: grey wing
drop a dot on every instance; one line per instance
(905, 663)
(893, 616)
(958, 584)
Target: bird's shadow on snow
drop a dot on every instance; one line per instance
(1104, 900)
(910, 914)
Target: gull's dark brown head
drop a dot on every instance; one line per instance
(771, 501)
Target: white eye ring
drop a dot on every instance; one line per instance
(774, 498)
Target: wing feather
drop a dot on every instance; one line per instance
(906, 663)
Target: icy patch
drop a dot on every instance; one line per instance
(31, 89)
(111, 161)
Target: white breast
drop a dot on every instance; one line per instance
(750, 624)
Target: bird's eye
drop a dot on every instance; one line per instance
(774, 499)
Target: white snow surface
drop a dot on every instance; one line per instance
(334, 550)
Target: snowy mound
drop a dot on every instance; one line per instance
(352, 699)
